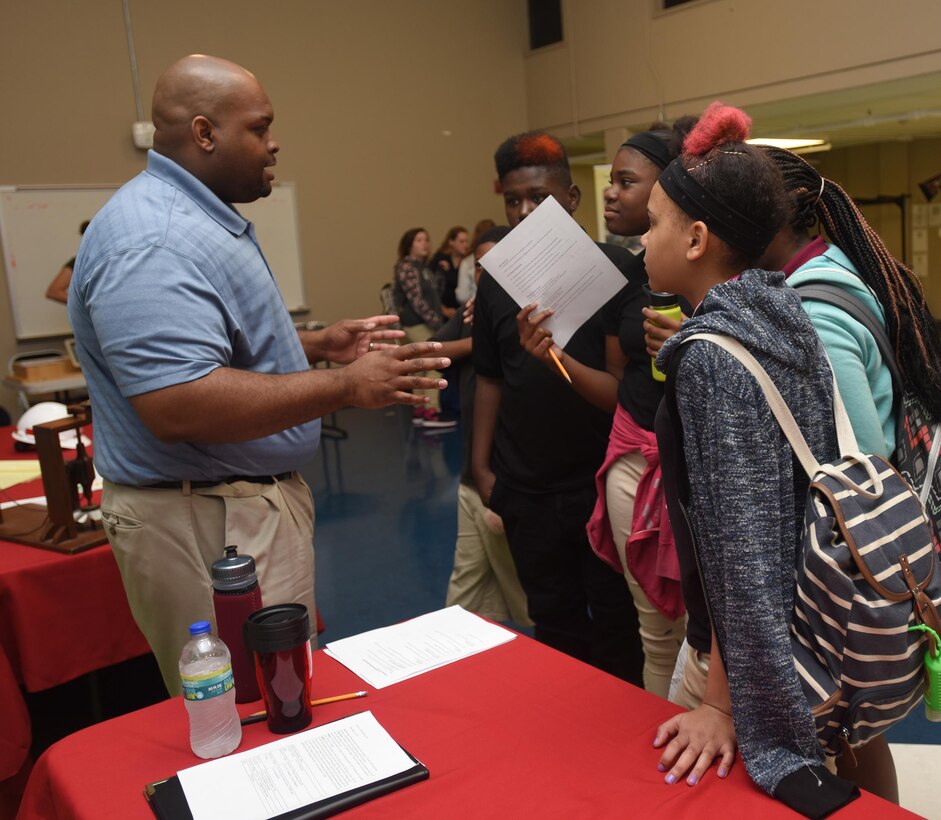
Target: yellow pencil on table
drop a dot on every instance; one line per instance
(558, 364)
(335, 698)
(257, 717)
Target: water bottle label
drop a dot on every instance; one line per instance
(204, 687)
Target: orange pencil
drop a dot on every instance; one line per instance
(257, 717)
(335, 698)
(558, 364)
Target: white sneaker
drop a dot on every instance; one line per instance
(434, 420)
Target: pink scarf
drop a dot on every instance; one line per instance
(650, 551)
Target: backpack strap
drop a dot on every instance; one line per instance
(846, 438)
(934, 455)
(854, 306)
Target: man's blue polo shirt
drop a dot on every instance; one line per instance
(169, 284)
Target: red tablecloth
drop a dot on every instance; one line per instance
(62, 616)
(520, 731)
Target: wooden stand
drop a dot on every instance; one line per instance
(54, 527)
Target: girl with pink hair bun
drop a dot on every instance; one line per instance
(719, 124)
(734, 497)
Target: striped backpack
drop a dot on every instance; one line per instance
(868, 572)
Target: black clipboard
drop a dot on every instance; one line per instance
(168, 801)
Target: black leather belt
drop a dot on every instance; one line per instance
(251, 479)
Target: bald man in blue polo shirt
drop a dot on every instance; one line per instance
(204, 400)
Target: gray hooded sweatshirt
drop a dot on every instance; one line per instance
(746, 502)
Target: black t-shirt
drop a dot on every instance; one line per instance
(638, 392)
(442, 265)
(548, 438)
(453, 331)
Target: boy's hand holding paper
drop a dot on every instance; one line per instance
(536, 339)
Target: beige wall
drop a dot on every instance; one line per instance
(587, 213)
(365, 89)
(624, 63)
(363, 93)
(890, 169)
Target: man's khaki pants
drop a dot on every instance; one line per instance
(165, 542)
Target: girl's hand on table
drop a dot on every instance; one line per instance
(692, 741)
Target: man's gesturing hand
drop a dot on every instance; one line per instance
(384, 377)
(345, 341)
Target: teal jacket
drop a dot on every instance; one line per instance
(865, 382)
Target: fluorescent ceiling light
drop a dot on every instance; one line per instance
(588, 159)
(789, 144)
(814, 149)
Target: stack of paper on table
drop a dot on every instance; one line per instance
(394, 653)
(19, 471)
(312, 774)
(16, 471)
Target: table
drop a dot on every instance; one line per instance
(517, 731)
(62, 617)
(60, 388)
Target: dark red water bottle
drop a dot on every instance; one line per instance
(236, 595)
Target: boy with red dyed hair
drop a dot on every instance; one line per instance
(538, 444)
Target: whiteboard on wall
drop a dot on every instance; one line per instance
(278, 232)
(39, 230)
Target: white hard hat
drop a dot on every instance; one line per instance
(42, 413)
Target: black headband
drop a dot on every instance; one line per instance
(652, 147)
(723, 220)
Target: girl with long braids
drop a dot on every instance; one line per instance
(634, 538)
(731, 484)
(858, 262)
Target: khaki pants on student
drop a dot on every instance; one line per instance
(484, 577)
(165, 542)
(660, 636)
(688, 687)
(422, 333)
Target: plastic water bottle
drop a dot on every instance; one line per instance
(933, 695)
(933, 672)
(209, 694)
